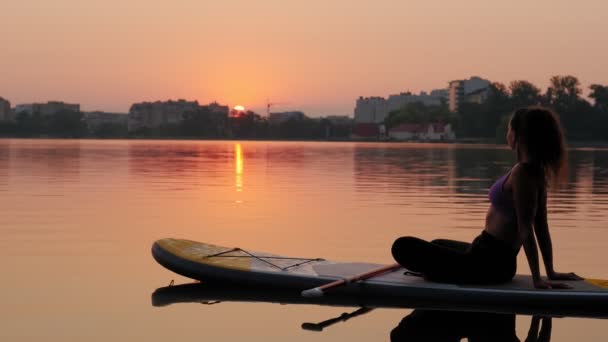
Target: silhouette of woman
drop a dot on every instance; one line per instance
(517, 215)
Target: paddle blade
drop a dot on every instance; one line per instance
(312, 327)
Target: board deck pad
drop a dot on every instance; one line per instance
(216, 264)
(519, 282)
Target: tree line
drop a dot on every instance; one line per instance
(203, 123)
(583, 120)
(199, 124)
(63, 124)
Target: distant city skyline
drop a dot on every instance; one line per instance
(262, 109)
(317, 57)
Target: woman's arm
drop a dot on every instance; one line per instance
(541, 229)
(525, 194)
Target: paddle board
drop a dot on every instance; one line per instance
(247, 270)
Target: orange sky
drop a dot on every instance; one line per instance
(318, 56)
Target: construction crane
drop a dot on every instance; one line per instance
(271, 104)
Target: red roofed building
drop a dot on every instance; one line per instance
(369, 131)
(423, 131)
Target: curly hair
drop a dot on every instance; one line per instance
(539, 131)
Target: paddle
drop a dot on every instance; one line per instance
(319, 291)
(342, 318)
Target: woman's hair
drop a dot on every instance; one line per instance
(539, 130)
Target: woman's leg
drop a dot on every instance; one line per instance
(433, 260)
(453, 244)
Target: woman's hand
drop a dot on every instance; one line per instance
(543, 284)
(563, 276)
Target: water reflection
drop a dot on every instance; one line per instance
(462, 169)
(431, 175)
(600, 172)
(455, 179)
(238, 160)
(419, 325)
(394, 168)
(57, 162)
(446, 326)
(179, 165)
(82, 214)
(5, 159)
(440, 176)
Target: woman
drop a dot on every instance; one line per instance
(517, 215)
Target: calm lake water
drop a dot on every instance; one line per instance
(78, 218)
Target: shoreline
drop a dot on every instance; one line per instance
(467, 141)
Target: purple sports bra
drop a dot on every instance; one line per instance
(500, 199)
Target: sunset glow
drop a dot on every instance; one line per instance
(110, 55)
(399, 156)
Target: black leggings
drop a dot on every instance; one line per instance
(486, 260)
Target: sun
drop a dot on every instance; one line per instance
(239, 108)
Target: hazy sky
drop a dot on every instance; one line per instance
(318, 56)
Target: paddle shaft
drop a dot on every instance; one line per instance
(318, 291)
(342, 318)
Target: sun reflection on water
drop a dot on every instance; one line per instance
(238, 157)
